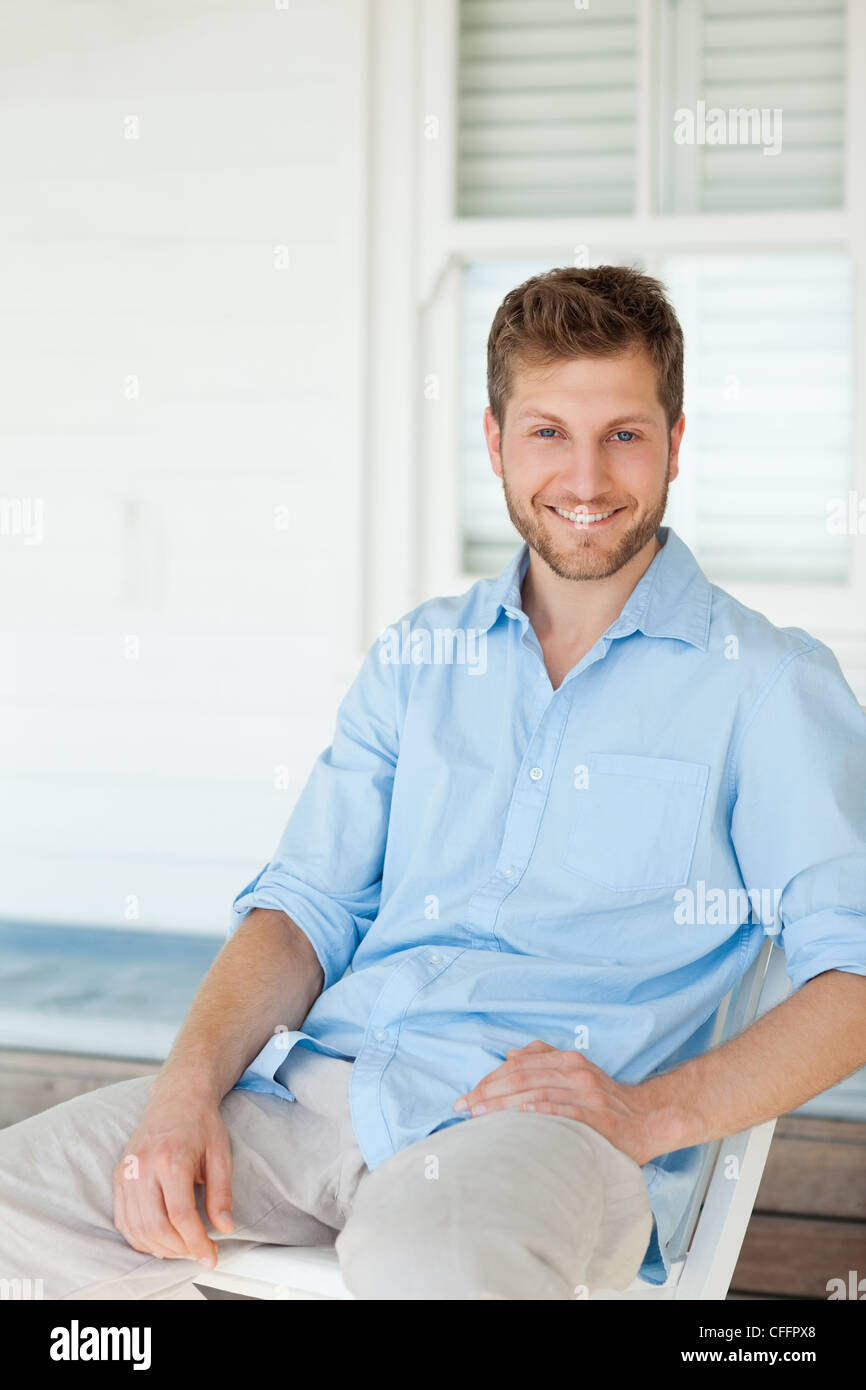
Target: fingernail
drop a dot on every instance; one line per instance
(226, 1216)
(461, 1104)
(208, 1264)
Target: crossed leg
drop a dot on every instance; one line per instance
(509, 1205)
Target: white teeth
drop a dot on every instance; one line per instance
(584, 517)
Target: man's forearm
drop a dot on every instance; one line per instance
(808, 1042)
(266, 976)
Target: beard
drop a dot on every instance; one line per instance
(588, 555)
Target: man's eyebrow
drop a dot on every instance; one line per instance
(532, 412)
(630, 420)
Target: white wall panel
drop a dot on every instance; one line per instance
(182, 357)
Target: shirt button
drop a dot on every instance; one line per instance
(535, 773)
(508, 873)
(379, 1035)
(435, 958)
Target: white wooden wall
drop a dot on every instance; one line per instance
(182, 254)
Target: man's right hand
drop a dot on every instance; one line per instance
(179, 1142)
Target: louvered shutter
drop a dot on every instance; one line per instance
(546, 108)
(744, 55)
(768, 411)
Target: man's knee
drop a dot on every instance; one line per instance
(510, 1205)
(416, 1233)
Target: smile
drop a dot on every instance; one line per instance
(585, 520)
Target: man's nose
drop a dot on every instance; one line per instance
(585, 472)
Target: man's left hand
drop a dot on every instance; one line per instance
(539, 1077)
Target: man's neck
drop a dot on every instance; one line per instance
(577, 611)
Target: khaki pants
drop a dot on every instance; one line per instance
(507, 1205)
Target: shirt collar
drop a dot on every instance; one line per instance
(672, 598)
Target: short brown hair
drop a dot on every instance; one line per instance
(569, 312)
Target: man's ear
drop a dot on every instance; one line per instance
(493, 437)
(676, 440)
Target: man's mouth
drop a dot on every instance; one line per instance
(583, 520)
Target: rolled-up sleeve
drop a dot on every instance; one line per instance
(798, 823)
(326, 872)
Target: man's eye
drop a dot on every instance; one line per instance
(629, 435)
(546, 431)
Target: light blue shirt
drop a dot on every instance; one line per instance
(480, 860)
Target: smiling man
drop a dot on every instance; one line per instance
(618, 449)
(467, 967)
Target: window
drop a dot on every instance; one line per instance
(768, 396)
(547, 110)
(718, 145)
(784, 61)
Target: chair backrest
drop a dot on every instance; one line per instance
(711, 1233)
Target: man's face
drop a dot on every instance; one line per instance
(587, 436)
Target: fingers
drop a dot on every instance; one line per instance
(555, 1099)
(218, 1189)
(560, 1098)
(178, 1191)
(536, 1071)
(525, 1068)
(155, 1207)
(141, 1218)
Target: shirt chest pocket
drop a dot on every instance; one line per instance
(635, 822)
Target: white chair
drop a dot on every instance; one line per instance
(706, 1247)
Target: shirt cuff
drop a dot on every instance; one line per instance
(832, 939)
(330, 928)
